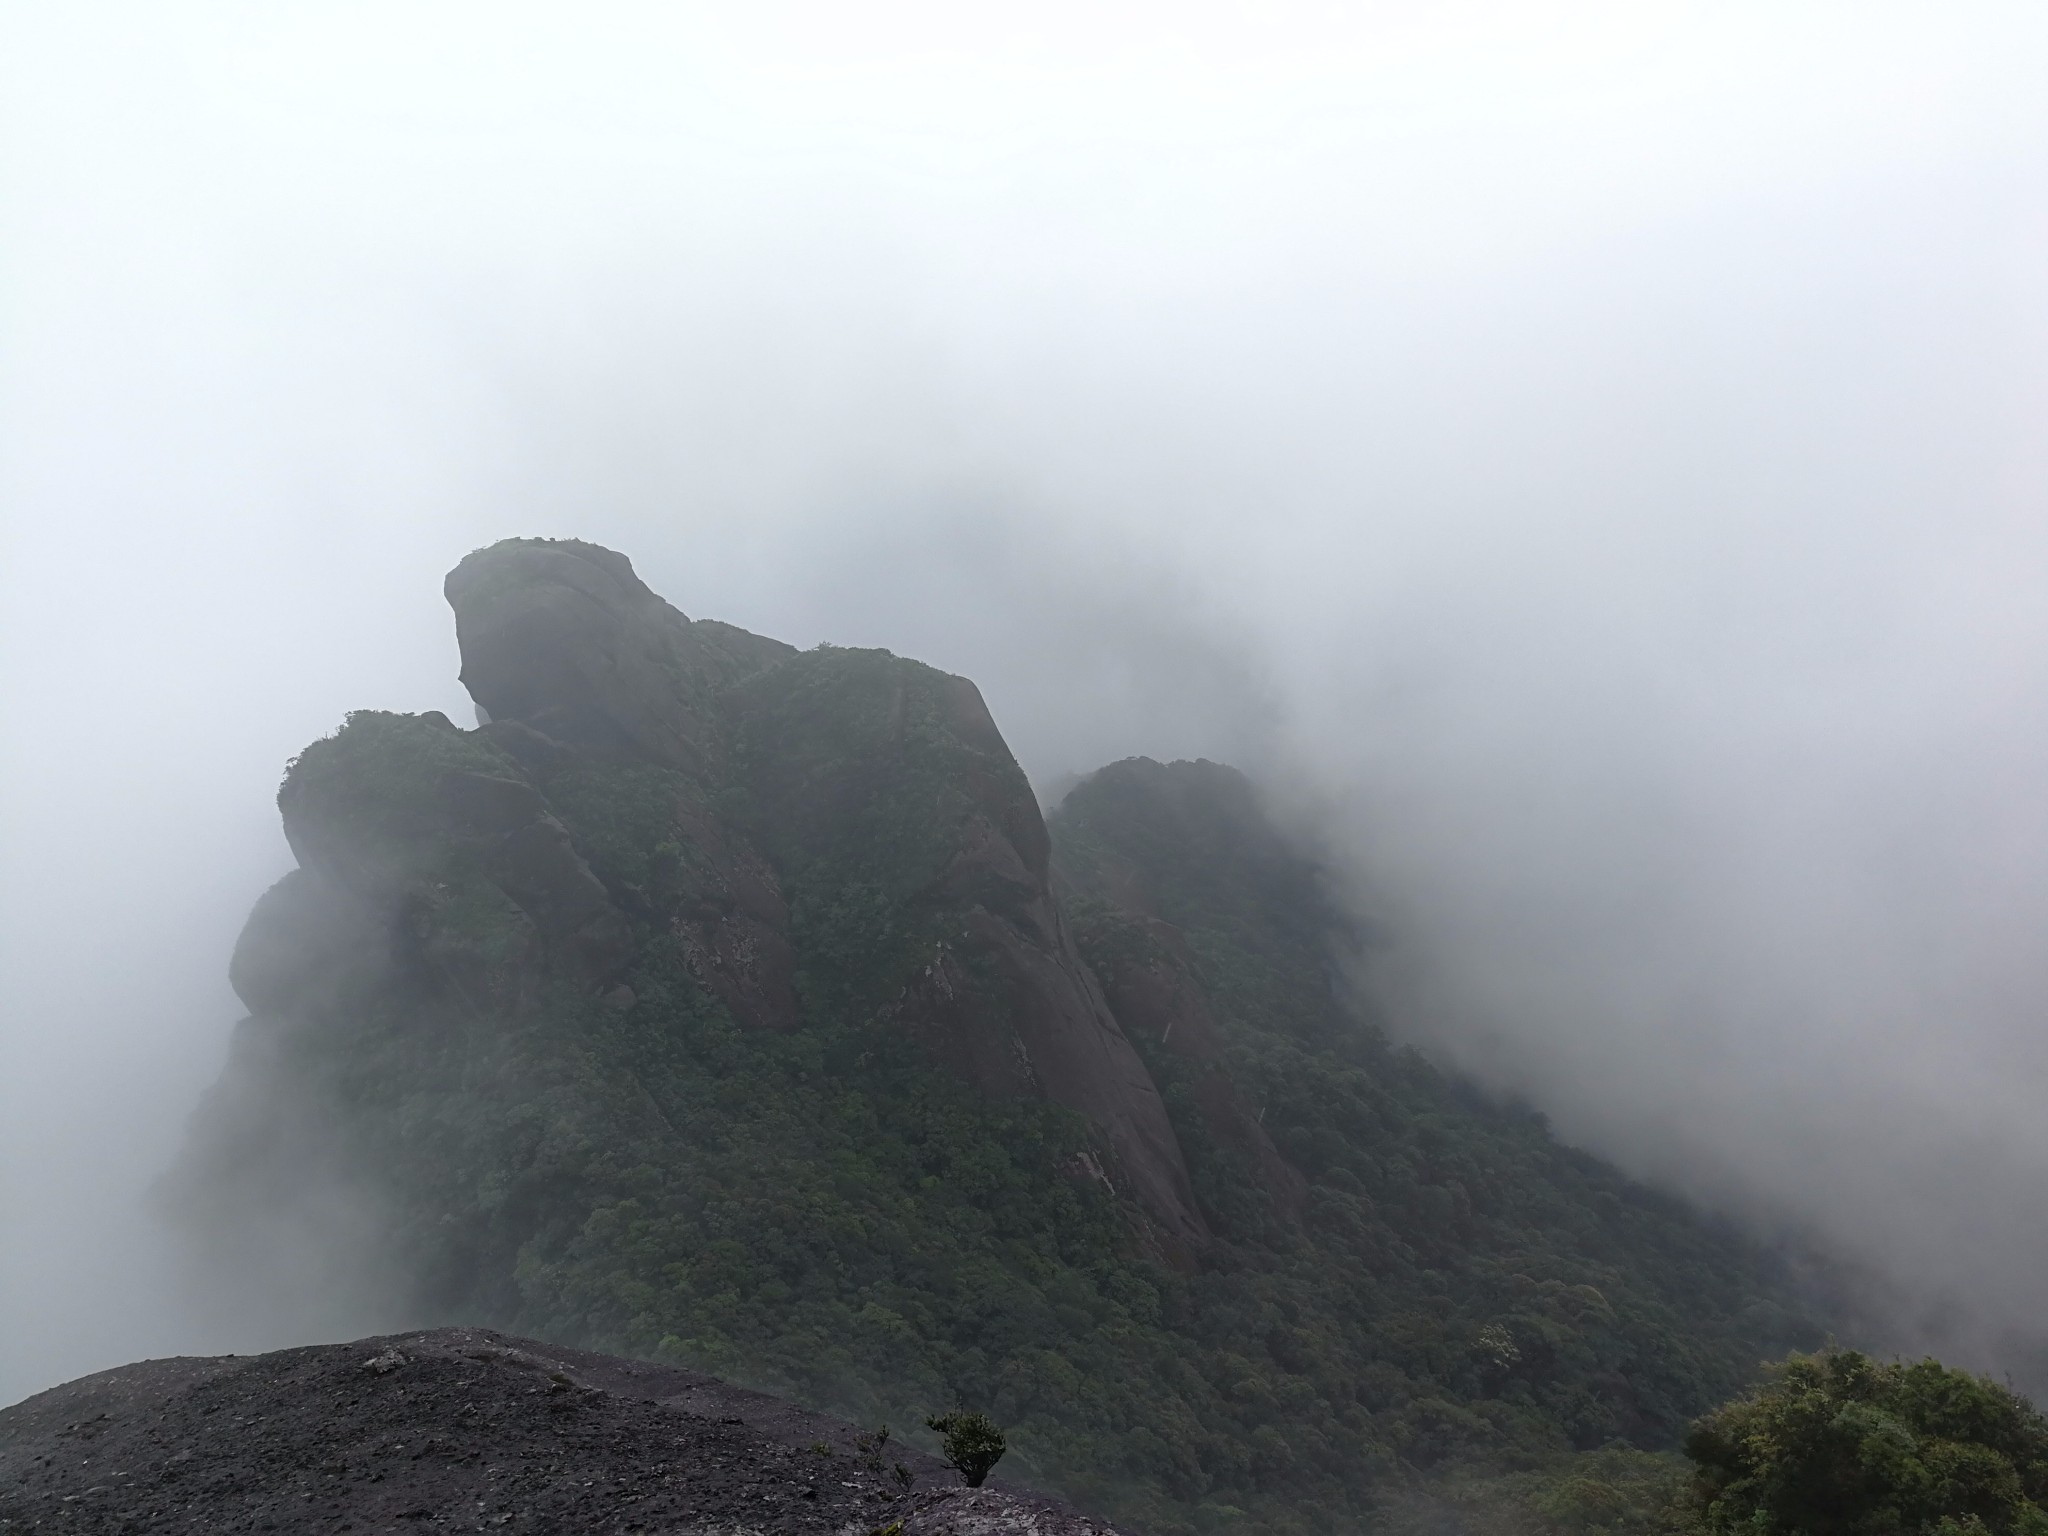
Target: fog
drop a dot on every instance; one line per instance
(1585, 459)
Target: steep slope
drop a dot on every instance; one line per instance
(714, 1001)
(1401, 1222)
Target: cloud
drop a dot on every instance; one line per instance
(1587, 451)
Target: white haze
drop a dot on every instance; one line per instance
(1592, 453)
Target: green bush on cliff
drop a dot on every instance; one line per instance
(972, 1443)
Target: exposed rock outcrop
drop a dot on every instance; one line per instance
(308, 938)
(564, 637)
(465, 1429)
(1150, 850)
(1150, 981)
(826, 830)
(888, 775)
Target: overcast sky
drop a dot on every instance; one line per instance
(1588, 457)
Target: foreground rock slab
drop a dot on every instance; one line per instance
(460, 1429)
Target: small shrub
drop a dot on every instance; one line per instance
(872, 1446)
(973, 1444)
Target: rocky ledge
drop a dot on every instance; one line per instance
(461, 1429)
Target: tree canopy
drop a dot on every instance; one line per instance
(1838, 1444)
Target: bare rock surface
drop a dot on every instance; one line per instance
(461, 1429)
(564, 637)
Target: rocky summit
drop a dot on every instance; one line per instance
(888, 772)
(466, 1430)
(736, 1007)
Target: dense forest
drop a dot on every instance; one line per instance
(734, 1005)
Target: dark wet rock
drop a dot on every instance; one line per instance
(466, 1429)
(845, 757)
(486, 803)
(535, 751)
(563, 637)
(1150, 980)
(897, 769)
(858, 768)
(308, 937)
(819, 835)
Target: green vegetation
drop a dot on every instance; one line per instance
(1472, 1283)
(1838, 1444)
(972, 1444)
(1443, 1305)
(1612, 1492)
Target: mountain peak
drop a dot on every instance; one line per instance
(735, 1006)
(565, 638)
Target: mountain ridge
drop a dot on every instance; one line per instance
(736, 1005)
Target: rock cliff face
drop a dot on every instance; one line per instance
(877, 789)
(565, 638)
(1131, 828)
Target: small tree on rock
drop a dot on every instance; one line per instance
(973, 1444)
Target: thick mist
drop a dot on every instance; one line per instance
(1585, 459)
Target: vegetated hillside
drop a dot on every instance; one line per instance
(722, 1003)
